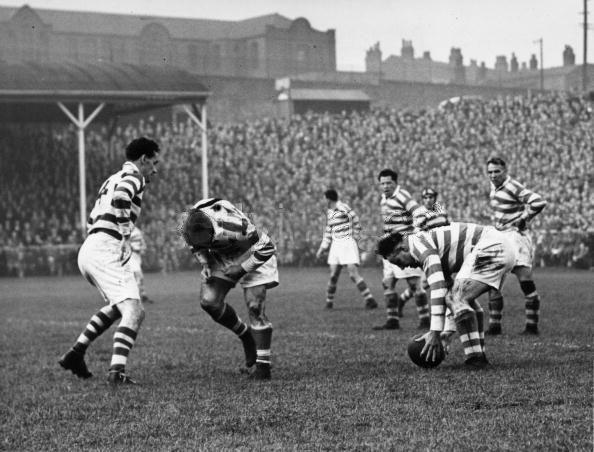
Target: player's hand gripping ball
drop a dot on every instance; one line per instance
(415, 346)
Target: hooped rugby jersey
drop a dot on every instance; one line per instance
(511, 200)
(119, 203)
(341, 222)
(400, 212)
(234, 235)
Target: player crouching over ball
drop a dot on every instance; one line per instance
(230, 250)
(479, 256)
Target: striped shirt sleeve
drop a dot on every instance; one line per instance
(327, 238)
(263, 250)
(356, 224)
(425, 252)
(534, 202)
(416, 211)
(125, 193)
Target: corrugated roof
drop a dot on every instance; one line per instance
(131, 25)
(329, 94)
(32, 81)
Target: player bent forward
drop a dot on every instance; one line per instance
(480, 256)
(231, 250)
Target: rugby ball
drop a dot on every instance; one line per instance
(415, 346)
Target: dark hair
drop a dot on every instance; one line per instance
(387, 172)
(331, 194)
(387, 243)
(429, 192)
(141, 146)
(496, 161)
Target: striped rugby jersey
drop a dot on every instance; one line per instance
(441, 252)
(511, 200)
(435, 218)
(400, 212)
(119, 203)
(234, 235)
(341, 222)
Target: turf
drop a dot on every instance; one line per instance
(337, 384)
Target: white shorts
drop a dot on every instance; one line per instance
(522, 243)
(136, 262)
(265, 275)
(99, 262)
(490, 260)
(343, 252)
(391, 271)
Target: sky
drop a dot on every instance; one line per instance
(483, 29)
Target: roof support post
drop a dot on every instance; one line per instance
(81, 123)
(200, 119)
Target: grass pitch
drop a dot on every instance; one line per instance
(337, 384)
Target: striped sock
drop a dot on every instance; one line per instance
(391, 306)
(263, 339)
(480, 321)
(422, 306)
(98, 324)
(466, 323)
(330, 291)
(123, 341)
(362, 286)
(532, 310)
(495, 309)
(229, 319)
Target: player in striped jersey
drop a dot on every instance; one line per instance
(513, 207)
(138, 247)
(230, 250)
(479, 256)
(341, 234)
(104, 260)
(435, 216)
(400, 213)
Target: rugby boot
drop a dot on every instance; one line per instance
(494, 329)
(370, 303)
(75, 362)
(117, 377)
(391, 324)
(531, 330)
(329, 305)
(477, 363)
(261, 372)
(249, 348)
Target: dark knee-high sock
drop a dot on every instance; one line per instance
(228, 318)
(391, 298)
(480, 321)
(98, 324)
(422, 306)
(263, 339)
(467, 325)
(532, 303)
(495, 309)
(331, 289)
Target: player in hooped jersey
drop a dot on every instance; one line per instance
(479, 256)
(400, 213)
(513, 207)
(104, 257)
(231, 250)
(340, 240)
(435, 217)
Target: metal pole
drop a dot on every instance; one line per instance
(541, 66)
(81, 168)
(204, 153)
(585, 65)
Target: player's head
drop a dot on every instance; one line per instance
(331, 195)
(429, 197)
(144, 152)
(496, 170)
(388, 180)
(394, 248)
(199, 229)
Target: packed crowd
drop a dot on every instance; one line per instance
(277, 170)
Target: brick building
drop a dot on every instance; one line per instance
(263, 47)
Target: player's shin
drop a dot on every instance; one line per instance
(263, 337)
(467, 326)
(422, 309)
(98, 324)
(532, 305)
(123, 341)
(495, 312)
